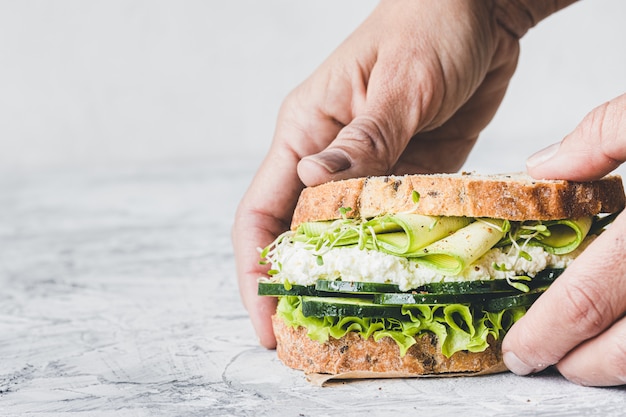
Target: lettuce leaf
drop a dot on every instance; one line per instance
(458, 327)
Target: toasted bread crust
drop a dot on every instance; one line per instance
(512, 197)
(352, 353)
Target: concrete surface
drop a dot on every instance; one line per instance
(118, 298)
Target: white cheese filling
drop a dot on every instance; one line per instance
(298, 265)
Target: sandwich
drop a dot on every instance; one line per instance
(423, 274)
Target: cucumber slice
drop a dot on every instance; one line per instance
(428, 298)
(278, 289)
(511, 301)
(468, 287)
(547, 275)
(355, 287)
(489, 286)
(341, 307)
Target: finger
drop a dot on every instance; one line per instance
(372, 142)
(260, 217)
(600, 361)
(414, 92)
(397, 88)
(265, 210)
(596, 147)
(253, 229)
(581, 304)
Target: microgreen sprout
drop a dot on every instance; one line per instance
(518, 285)
(500, 267)
(344, 212)
(415, 196)
(513, 280)
(268, 254)
(263, 254)
(276, 270)
(433, 224)
(504, 227)
(372, 233)
(518, 236)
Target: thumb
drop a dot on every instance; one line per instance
(369, 145)
(596, 147)
(385, 115)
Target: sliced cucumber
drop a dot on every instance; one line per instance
(341, 307)
(355, 287)
(460, 287)
(279, 289)
(369, 299)
(428, 298)
(511, 301)
(547, 275)
(468, 287)
(489, 286)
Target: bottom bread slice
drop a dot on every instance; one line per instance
(353, 353)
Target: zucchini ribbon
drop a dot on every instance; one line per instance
(445, 244)
(563, 236)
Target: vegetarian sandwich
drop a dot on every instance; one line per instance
(423, 274)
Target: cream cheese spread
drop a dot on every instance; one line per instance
(297, 264)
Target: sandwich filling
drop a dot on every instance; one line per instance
(409, 252)
(301, 266)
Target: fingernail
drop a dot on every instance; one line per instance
(516, 365)
(543, 155)
(333, 160)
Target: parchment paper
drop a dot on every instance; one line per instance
(322, 380)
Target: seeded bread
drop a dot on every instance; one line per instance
(354, 354)
(512, 197)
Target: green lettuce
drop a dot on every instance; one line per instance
(458, 327)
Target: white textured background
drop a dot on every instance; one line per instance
(117, 294)
(101, 83)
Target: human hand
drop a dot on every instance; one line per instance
(408, 92)
(579, 324)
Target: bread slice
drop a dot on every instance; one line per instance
(353, 354)
(512, 197)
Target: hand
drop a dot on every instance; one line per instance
(579, 323)
(408, 92)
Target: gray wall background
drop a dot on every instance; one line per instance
(108, 83)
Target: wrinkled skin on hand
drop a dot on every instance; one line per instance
(579, 323)
(408, 92)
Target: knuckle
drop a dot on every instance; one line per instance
(586, 306)
(603, 127)
(366, 138)
(291, 99)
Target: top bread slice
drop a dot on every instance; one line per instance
(503, 196)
